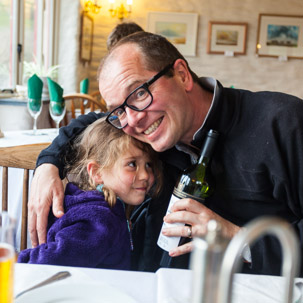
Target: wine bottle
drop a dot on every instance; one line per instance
(194, 183)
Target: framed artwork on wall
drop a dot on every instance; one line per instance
(227, 38)
(179, 28)
(280, 36)
(86, 38)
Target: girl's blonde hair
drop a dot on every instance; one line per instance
(102, 143)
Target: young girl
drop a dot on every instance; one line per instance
(112, 173)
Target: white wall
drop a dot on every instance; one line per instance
(248, 71)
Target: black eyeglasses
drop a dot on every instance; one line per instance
(138, 100)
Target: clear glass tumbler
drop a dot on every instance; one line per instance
(7, 257)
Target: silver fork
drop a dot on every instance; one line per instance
(56, 277)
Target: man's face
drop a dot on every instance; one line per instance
(167, 120)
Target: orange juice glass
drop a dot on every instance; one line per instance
(7, 257)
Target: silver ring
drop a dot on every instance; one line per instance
(189, 231)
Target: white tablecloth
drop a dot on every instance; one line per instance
(165, 286)
(15, 177)
(23, 137)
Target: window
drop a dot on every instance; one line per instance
(27, 34)
(5, 14)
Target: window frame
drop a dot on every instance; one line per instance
(46, 34)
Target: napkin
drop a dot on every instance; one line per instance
(34, 92)
(34, 87)
(56, 96)
(84, 86)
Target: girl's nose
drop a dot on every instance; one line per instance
(142, 174)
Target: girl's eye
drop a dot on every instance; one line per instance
(148, 165)
(132, 164)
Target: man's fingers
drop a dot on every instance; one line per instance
(58, 210)
(187, 217)
(46, 190)
(177, 231)
(41, 226)
(188, 205)
(181, 250)
(32, 229)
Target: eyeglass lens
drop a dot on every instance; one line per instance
(137, 100)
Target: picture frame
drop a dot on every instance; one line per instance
(179, 28)
(227, 38)
(86, 38)
(280, 36)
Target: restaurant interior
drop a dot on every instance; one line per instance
(62, 42)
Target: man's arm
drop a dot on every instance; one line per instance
(46, 187)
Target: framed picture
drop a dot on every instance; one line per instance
(227, 38)
(86, 38)
(280, 36)
(179, 28)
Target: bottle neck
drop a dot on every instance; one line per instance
(209, 146)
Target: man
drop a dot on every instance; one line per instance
(257, 165)
(122, 30)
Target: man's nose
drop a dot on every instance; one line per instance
(134, 117)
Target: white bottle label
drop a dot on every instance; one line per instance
(168, 243)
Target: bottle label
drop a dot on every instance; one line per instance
(168, 243)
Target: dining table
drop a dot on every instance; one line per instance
(16, 138)
(167, 285)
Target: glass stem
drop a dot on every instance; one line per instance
(35, 126)
(57, 127)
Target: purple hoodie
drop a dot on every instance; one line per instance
(89, 234)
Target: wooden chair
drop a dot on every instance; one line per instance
(96, 94)
(83, 102)
(24, 157)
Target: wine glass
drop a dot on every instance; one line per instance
(57, 112)
(34, 107)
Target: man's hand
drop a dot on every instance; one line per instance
(46, 191)
(197, 215)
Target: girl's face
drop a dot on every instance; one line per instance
(131, 177)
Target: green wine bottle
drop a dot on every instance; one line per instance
(194, 183)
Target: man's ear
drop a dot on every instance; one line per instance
(93, 169)
(181, 69)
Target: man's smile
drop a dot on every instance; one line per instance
(153, 127)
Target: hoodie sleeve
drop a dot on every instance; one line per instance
(83, 237)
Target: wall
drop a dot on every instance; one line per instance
(248, 71)
(68, 52)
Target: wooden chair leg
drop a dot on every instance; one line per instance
(23, 244)
(4, 188)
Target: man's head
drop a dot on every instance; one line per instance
(120, 31)
(172, 115)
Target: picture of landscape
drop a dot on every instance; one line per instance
(226, 37)
(282, 35)
(172, 31)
